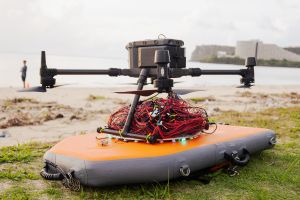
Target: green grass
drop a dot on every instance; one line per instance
(272, 174)
(22, 153)
(16, 192)
(202, 99)
(17, 175)
(53, 192)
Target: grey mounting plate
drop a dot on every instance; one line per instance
(158, 42)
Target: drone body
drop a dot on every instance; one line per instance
(152, 55)
(162, 60)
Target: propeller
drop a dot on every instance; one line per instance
(139, 92)
(131, 83)
(150, 92)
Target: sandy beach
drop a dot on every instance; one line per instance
(66, 111)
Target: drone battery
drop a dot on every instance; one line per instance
(141, 53)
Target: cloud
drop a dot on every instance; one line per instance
(103, 28)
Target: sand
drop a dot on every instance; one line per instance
(66, 111)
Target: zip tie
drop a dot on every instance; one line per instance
(148, 137)
(100, 130)
(120, 133)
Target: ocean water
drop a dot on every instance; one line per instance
(10, 76)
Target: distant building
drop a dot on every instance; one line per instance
(205, 51)
(245, 49)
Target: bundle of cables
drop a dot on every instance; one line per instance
(166, 118)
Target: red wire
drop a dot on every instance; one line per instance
(171, 117)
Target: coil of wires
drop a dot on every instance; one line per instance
(166, 118)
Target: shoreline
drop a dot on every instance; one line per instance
(241, 61)
(239, 64)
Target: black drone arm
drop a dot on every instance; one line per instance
(246, 74)
(47, 74)
(110, 72)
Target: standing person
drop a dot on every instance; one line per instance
(23, 72)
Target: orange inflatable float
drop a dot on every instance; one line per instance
(112, 161)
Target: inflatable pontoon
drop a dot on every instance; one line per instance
(110, 161)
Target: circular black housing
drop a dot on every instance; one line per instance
(163, 84)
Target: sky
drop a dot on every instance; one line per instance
(102, 28)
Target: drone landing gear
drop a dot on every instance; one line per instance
(125, 133)
(163, 84)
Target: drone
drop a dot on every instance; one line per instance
(162, 60)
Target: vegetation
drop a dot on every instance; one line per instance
(95, 98)
(293, 97)
(13, 101)
(202, 99)
(295, 50)
(223, 60)
(241, 61)
(22, 153)
(13, 174)
(272, 174)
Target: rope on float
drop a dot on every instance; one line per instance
(68, 179)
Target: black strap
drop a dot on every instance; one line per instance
(236, 159)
